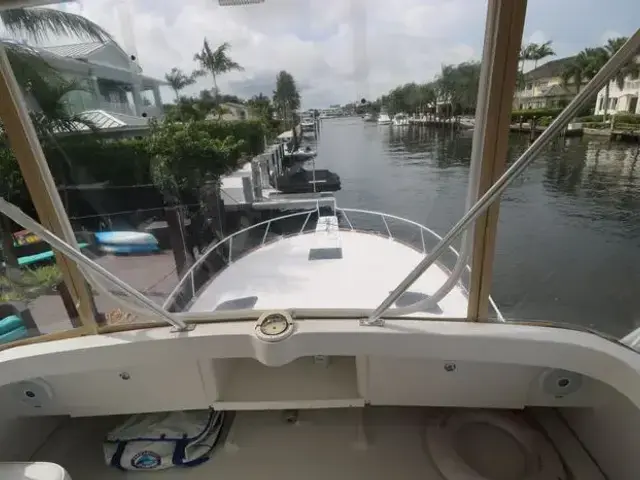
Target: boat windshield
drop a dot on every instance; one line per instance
(184, 162)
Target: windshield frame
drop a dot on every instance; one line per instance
(503, 36)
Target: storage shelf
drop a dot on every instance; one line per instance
(302, 383)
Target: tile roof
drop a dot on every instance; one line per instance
(554, 68)
(105, 120)
(76, 50)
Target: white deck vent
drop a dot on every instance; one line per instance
(328, 244)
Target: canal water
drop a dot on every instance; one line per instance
(568, 245)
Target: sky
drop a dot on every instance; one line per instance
(338, 50)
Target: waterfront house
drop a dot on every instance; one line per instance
(543, 87)
(116, 95)
(235, 112)
(623, 100)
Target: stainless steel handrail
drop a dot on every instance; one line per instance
(428, 302)
(307, 213)
(212, 248)
(622, 56)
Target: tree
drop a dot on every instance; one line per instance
(260, 106)
(526, 53)
(216, 62)
(428, 96)
(631, 68)
(178, 80)
(540, 52)
(41, 23)
(582, 67)
(286, 96)
(185, 160)
(458, 86)
(32, 72)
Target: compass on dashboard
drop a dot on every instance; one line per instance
(274, 326)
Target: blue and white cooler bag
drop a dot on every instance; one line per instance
(157, 441)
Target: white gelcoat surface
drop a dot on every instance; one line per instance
(341, 444)
(282, 276)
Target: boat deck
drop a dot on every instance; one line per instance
(335, 269)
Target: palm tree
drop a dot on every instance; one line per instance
(526, 53)
(216, 62)
(32, 71)
(51, 113)
(41, 23)
(582, 68)
(541, 51)
(630, 68)
(178, 80)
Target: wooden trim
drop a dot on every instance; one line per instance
(49, 337)
(130, 326)
(505, 23)
(37, 176)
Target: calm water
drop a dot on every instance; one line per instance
(569, 233)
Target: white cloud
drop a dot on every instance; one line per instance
(609, 34)
(537, 37)
(406, 40)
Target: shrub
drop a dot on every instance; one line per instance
(527, 115)
(251, 132)
(87, 158)
(590, 119)
(544, 121)
(628, 118)
(84, 159)
(183, 156)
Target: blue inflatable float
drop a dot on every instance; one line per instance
(127, 242)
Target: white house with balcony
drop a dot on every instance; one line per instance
(623, 100)
(543, 87)
(117, 94)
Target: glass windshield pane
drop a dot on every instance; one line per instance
(273, 163)
(36, 296)
(575, 212)
(566, 248)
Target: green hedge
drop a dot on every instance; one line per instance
(527, 115)
(628, 118)
(545, 112)
(590, 119)
(90, 158)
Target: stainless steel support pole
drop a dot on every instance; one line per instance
(621, 57)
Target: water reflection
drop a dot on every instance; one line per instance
(569, 226)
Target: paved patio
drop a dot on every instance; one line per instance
(154, 275)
